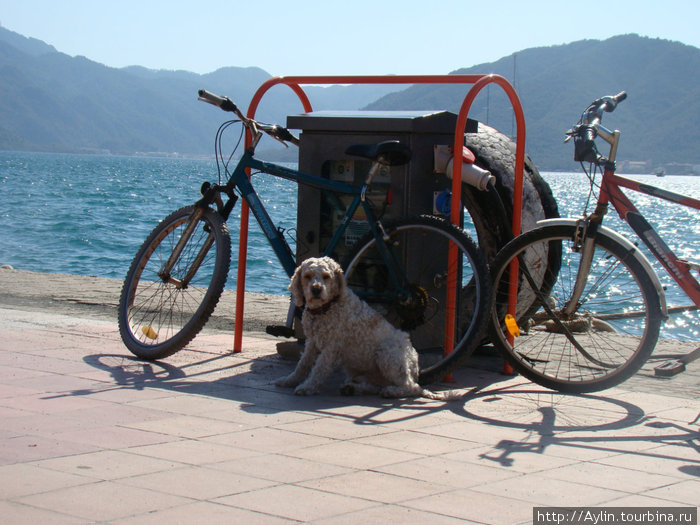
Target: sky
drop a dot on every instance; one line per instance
(329, 37)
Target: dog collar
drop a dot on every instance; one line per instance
(324, 307)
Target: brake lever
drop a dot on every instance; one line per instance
(571, 133)
(282, 135)
(279, 140)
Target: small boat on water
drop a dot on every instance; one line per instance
(660, 172)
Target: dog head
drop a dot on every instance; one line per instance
(317, 281)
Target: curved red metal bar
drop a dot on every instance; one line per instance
(479, 81)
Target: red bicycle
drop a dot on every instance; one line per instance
(589, 306)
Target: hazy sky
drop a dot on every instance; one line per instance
(310, 37)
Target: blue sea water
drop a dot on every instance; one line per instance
(88, 215)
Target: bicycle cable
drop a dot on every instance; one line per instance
(590, 174)
(218, 149)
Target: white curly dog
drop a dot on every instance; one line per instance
(343, 331)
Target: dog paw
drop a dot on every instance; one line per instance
(286, 381)
(347, 390)
(302, 390)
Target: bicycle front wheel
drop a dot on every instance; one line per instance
(408, 285)
(160, 312)
(610, 333)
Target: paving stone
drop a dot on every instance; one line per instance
(296, 503)
(90, 434)
(103, 501)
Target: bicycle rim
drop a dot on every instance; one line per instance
(159, 316)
(612, 331)
(417, 304)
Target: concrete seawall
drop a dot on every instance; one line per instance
(99, 297)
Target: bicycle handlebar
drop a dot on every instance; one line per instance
(594, 112)
(608, 103)
(585, 132)
(226, 104)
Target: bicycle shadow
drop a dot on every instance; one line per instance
(249, 382)
(592, 424)
(546, 419)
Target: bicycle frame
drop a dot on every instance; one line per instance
(610, 192)
(240, 180)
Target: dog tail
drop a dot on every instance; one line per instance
(450, 395)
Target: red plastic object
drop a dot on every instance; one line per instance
(468, 156)
(478, 81)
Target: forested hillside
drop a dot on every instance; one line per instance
(53, 102)
(659, 120)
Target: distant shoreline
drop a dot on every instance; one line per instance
(278, 155)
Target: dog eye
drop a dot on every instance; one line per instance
(326, 276)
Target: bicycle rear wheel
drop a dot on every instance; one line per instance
(609, 336)
(159, 314)
(419, 249)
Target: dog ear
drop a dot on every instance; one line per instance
(339, 278)
(296, 288)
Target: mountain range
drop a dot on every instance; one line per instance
(54, 102)
(658, 121)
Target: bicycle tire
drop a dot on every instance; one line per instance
(495, 152)
(421, 243)
(619, 295)
(156, 317)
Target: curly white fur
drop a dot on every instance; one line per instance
(343, 331)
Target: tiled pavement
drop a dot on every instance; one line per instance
(89, 434)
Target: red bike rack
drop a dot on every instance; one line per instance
(478, 81)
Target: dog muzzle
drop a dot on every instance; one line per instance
(320, 310)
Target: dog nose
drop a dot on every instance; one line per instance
(316, 290)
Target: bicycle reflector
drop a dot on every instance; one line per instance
(512, 326)
(149, 332)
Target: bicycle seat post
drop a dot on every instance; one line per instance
(370, 176)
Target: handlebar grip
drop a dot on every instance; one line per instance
(612, 102)
(622, 95)
(224, 103)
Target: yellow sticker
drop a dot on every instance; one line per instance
(149, 332)
(512, 326)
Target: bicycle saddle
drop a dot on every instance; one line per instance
(389, 152)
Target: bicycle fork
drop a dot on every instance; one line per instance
(211, 194)
(165, 271)
(584, 244)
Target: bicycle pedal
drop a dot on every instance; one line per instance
(279, 331)
(669, 368)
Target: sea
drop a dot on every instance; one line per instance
(88, 215)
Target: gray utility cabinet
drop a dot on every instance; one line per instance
(398, 191)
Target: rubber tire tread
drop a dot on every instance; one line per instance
(637, 271)
(461, 353)
(206, 308)
(495, 152)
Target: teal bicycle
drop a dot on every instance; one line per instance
(401, 267)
